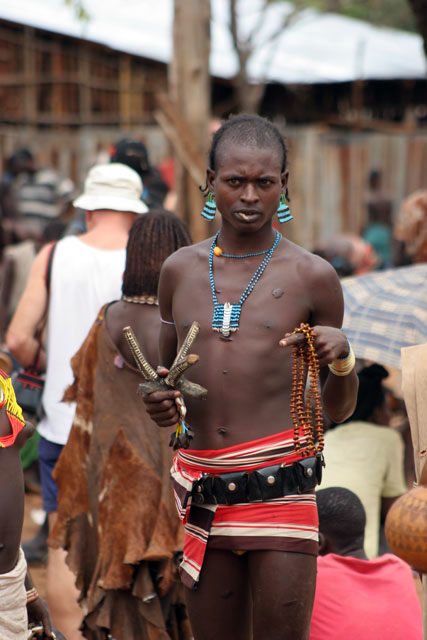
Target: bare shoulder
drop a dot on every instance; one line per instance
(315, 270)
(187, 257)
(40, 261)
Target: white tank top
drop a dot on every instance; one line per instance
(83, 279)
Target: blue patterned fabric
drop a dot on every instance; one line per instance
(385, 311)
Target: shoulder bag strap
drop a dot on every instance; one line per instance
(47, 277)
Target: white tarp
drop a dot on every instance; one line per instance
(316, 47)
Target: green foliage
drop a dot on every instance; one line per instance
(79, 10)
(388, 13)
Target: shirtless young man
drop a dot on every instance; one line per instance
(268, 591)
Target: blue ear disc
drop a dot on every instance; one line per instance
(209, 210)
(283, 212)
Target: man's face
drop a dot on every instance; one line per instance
(247, 185)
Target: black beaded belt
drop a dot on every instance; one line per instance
(262, 484)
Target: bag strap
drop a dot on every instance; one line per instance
(47, 278)
(48, 273)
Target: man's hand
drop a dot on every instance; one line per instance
(330, 343)
(38, 614)
(161, 405)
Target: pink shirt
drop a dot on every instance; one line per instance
(365, 599)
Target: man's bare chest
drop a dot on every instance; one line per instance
(276, 304)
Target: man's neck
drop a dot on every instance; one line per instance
(237, 242)
(353, 552)
(108, 230)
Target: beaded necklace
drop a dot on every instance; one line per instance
(219, 252)
(305, 357)
(141, 299)
(226, 317)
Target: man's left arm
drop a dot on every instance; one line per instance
(339, 392)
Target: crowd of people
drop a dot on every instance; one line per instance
(391, 236)
(217, 537)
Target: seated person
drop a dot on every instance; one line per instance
(366, 456)
(356, 597)
(19, 601)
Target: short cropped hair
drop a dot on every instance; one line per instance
(152, 238)
(248, 130)
(371, 393)
(341, 515)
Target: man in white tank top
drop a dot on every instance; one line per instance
(86, 273)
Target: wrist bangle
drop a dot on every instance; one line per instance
(32, 595)
(343, 366)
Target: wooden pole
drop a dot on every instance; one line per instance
(125, 85)
(189, 90)
(30, 98)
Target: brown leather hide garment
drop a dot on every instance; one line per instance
(116, 515)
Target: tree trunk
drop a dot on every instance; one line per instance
(248, 97)
(420, 13)
(189, 86)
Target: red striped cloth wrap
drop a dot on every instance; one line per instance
(289, 523)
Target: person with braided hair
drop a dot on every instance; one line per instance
(373, 454)
(245, 487)
(116, 517)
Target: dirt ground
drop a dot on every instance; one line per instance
(38, 573)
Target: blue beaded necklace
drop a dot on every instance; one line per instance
(226, 317)
(245, 255)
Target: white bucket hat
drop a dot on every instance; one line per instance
(114, 187)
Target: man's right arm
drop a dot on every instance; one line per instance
(20, 338)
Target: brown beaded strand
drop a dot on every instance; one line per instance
(297, 397)
(305, 356)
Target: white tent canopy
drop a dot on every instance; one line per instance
(316, 47)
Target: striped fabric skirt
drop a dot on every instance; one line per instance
(289, 523)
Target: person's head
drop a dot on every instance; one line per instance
(342, 521)
(247, 170)
(111, 188)
(411, 226)
(340, 263)
(152, 238)
(356, 254)
(155, 191)
(20, 162)
(372, 397)
(132, 153)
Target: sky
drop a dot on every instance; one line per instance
(316, 48)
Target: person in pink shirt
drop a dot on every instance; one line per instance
(356, 597)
